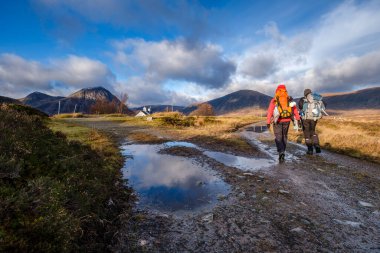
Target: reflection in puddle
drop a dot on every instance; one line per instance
(170, 183)
(243, 163)
(180, 144)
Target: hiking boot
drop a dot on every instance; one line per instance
(317, 149)
(309, 150)
(281, 157)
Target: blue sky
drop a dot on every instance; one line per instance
(181, 52)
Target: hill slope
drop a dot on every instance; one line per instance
(361, 99)
(9, 100)
(236, 101)
(248, 99)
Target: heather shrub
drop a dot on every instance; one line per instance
(55, 193)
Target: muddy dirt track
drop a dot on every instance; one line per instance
(327, 202)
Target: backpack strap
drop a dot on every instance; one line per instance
(278, 103)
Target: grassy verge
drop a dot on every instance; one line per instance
(61, 190)
(356, 137)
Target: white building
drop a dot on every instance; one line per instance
(142, 114)
(145, 112)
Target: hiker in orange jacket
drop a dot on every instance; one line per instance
(280, 113)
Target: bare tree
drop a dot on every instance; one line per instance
(204, 109)
(123, 102)
(104, 107)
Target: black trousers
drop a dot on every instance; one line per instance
(311, 137)
(281, 135)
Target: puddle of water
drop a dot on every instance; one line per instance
(257, 129)
(243, 163)
(170, 183)
(270, 150)
(180, 144)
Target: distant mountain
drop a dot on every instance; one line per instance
(81, 101)
(93, 94)
(41, 101)
(361, 99)
(246, 100)
(238, 100)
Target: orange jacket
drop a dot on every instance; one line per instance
(271, 107)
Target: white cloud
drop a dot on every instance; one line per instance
(272, 62)
(171, 71)
(259, 66)
(143, 90)
(354, 71)
(271, 30)
(19, 76)
(352, 28)
(203, 64)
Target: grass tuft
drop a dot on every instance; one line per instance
(354, 137)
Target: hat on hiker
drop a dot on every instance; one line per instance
(281, 87)
(306, 92)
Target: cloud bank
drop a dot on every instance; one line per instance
(160, 62)
(19, 76)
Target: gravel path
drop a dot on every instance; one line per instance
(326, 202)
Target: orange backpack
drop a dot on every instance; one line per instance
(282, 103)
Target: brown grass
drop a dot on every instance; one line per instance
(251, 111)
(354, 136)
(218, 126)
(143, 137)
(166, 114)
(69, 115)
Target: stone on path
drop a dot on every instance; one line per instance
(208, 218)
(350, 223)
(298, 230)
(365, 204)
(143, 242)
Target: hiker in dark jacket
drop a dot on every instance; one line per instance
(281, 124)
(309, 122)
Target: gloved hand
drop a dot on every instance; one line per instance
(299, 124)
(268, 126)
